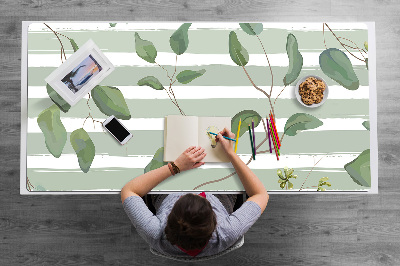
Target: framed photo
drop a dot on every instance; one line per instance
(80, 73)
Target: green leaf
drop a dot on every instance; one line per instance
(295, 60)
(157, 161)
(336, 65)
(57, 99)
(282, 185)
(237, 52)
(74, 45)
(285, 170)
(187, 76)
(290, 185)
(359, 169)
(83, 147)
(294, 176)
(110, 101)
(179, 40)
(299, 122)
(324, 179)
(290, 172)
(112, 25)
(145, 49)
(366, 45)
(322, 189)
(328, 184)
(246, 116)
(252, 28)
(279, 180)
(366, 124)
(151, 82)
(40, 188)
(279, 172)
(53, 130)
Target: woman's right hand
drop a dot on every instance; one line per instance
(226, 144)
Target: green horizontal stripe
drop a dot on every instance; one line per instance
(153, 108)
(147, 143)
(216, 75)
(105, 180)
(201, 41)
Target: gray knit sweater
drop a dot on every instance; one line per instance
(229, 227)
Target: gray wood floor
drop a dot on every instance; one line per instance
(307, 229)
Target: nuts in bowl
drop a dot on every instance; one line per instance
(311, 91)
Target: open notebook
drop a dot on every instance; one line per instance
(181, 132)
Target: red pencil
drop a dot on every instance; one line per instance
(274, 142)
(276, 131)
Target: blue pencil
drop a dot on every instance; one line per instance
(222, 136)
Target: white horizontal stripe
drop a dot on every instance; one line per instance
(132, 59)
(158, 124)
(216, 92)
(149, 26)
(263, 161)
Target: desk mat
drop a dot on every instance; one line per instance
(204, 69)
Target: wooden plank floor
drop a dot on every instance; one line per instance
(294, 230)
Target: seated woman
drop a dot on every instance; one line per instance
(188, 224)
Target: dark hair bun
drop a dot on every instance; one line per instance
(191, 222)
(183, 225)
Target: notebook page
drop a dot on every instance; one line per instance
(180, 132)
(216, 154)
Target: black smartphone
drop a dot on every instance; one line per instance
(119, 131)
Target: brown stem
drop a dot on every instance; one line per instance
(62, 47)
(63, 35)
(252, 82)
(29, 185)
(279, 94)
(358, 48)
(164, 69)
(281, 139)
(170, 85)
(272, 76)
(176, 62)
(265, 127)
(342, 44)
(218, 180)
(311, 171)
(323, 34)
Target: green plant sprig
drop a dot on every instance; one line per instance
(284, 181)
(322, 182)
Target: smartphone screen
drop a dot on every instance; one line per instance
(117, 129)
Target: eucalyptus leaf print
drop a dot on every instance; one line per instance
(53, 130)
(359, 169)
(83, 147)
(145, 49)
(247, 116)
(157, 161)
(110, 101)
(187, 76)
(57, 99)
(179, 40)
(252, 28)
(74, 45)
(299, 122)
(295, 60)
(152, 82)
(238, 53)
(336, 65)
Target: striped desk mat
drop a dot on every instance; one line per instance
(223, 90)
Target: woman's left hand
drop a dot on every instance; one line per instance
(190, 158)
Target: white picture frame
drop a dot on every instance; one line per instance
(80, 73)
